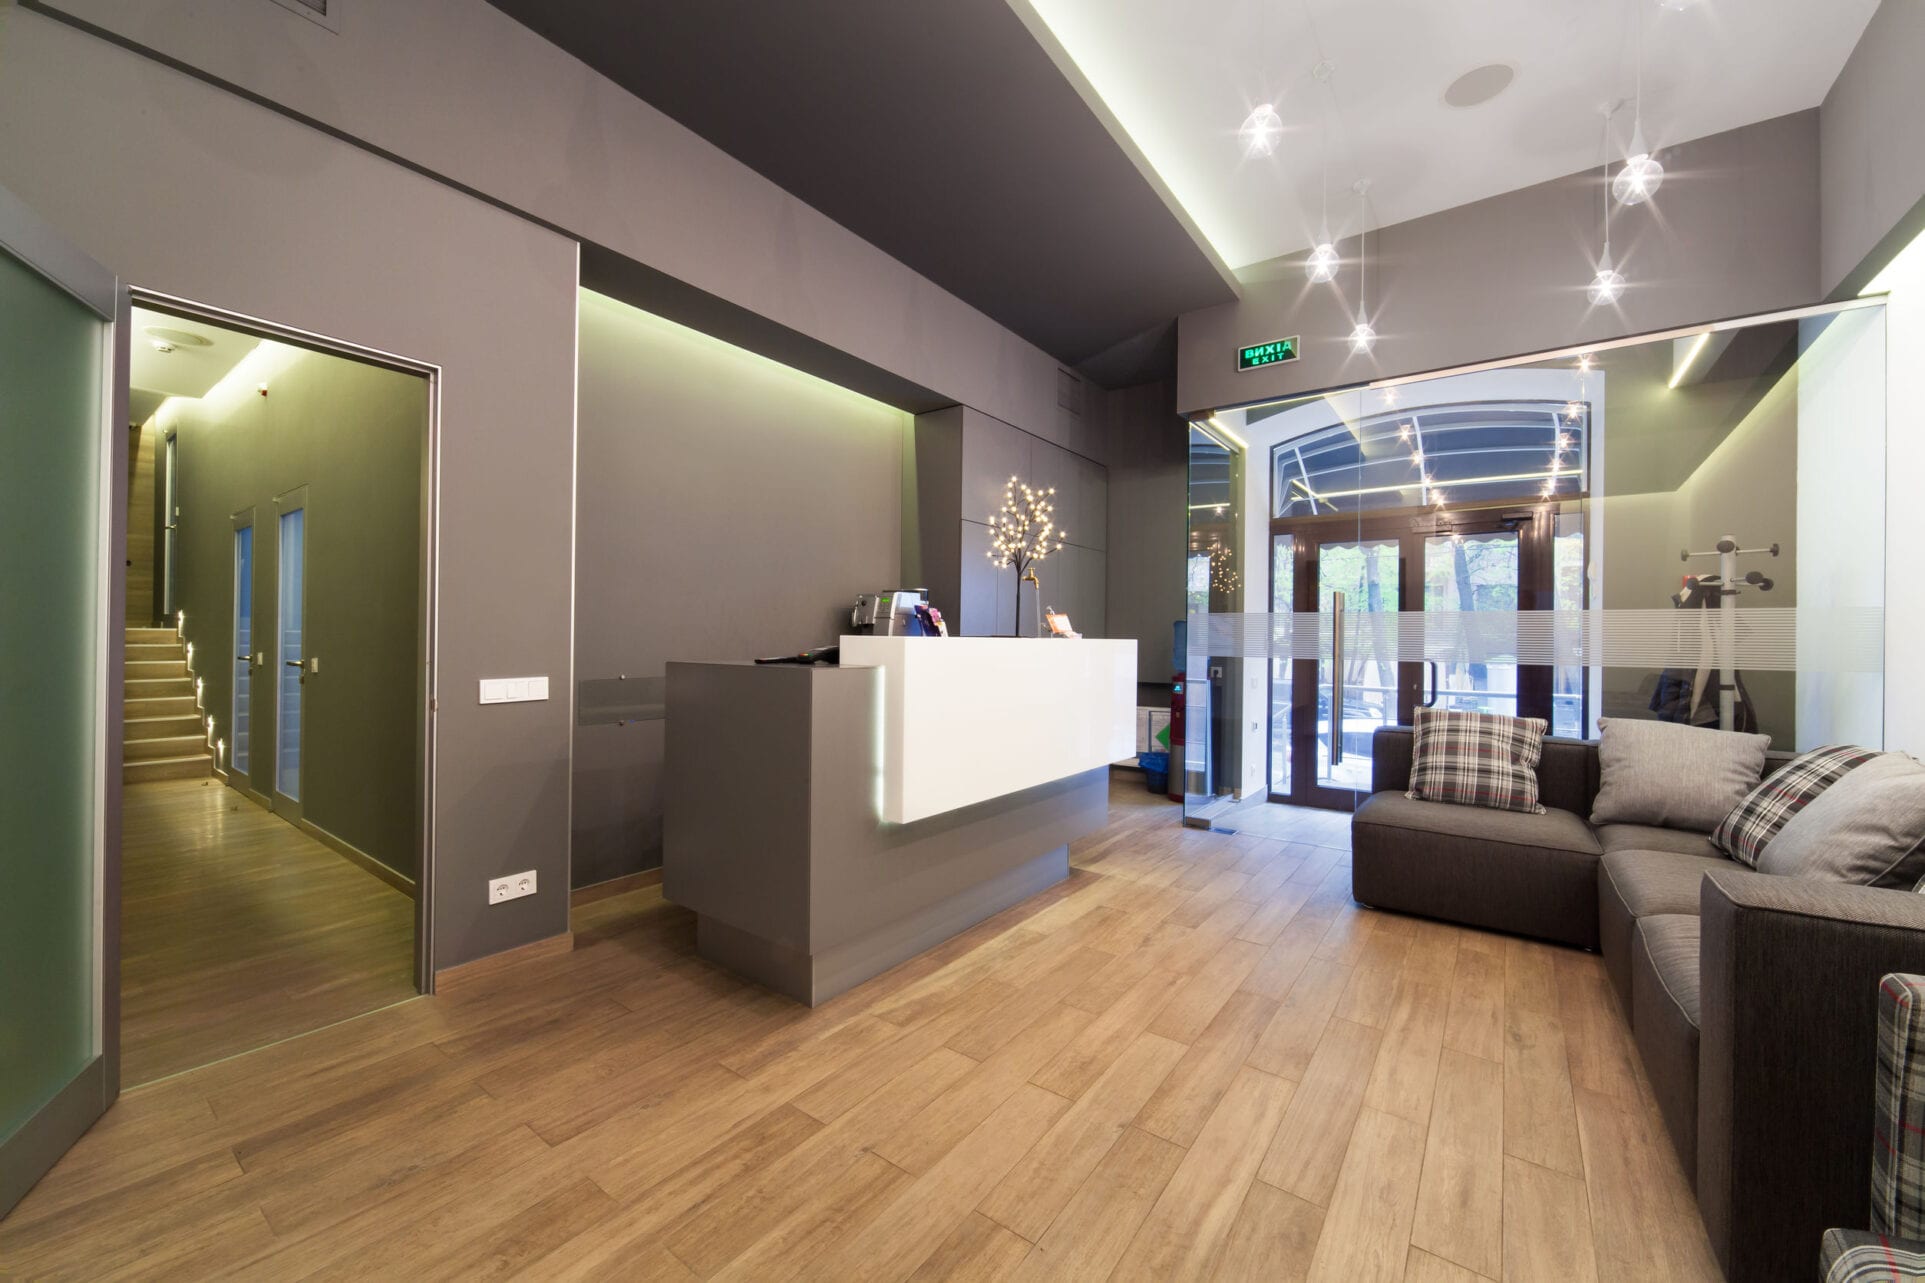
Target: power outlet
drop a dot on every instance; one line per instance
(512, 887)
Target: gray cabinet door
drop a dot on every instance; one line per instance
(992, 453)
(987, 605)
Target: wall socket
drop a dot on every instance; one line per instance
(512, 887)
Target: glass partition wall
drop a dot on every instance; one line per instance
(1689, 527)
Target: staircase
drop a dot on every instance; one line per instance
(164, 736)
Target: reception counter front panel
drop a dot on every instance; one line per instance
(777, 779)
(967, 719)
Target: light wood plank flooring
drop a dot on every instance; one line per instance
(239, 930)
(1195, 1059)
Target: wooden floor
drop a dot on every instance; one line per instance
(239, 930)
(1194, 1059)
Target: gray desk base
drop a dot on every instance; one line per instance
(772, 836)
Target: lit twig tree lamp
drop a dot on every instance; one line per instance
(1022, 534)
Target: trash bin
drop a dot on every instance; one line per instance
(1156, 771)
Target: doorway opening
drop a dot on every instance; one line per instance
(275, 844)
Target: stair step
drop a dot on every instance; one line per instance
(167, 768)
(145, 669)
(158, 687)
(152, 637)
(171, 650)
(154, 728)
(145, 708)
(171, 746)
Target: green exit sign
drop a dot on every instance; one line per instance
(1271, 353)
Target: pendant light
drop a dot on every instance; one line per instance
(1362, 338)
(1321, 265)
(1642, 175)
(1607, 286)
(1260, 131)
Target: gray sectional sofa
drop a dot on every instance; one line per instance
(1752, 998)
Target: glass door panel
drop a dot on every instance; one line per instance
(1464, 575)
(170, 527)
(292, 661)
(1357, 690)
(243, 647)
(62, 377)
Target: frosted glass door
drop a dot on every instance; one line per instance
(292, 669)
(243, 647)
(57, 390)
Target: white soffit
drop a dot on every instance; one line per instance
(1181, 78)
(190, 368)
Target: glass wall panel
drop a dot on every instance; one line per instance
(1689, 528)
(51, 356)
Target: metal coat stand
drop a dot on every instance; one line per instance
(1729, 583)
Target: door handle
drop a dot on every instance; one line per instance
(1336, 678)
(1430, 701)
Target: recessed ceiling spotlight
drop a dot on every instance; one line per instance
(1479, 85)
(1261, 130)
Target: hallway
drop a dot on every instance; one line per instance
(238, 930)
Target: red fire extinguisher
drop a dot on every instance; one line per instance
(1176, 738)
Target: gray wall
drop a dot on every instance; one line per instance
(425, 81)
(354, 435)
(189, 190)
(962, 463)
(1872, 152)
(1149, 467)
(729, 507)
(1734, 232)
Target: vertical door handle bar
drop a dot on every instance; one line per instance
(1336, 678)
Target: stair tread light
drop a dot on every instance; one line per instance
(1261, 130)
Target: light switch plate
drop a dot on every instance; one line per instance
(513, 690)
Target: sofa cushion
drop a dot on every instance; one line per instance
(1669, 774)
(1860, 1256)
(1867, 829)
(1534, 875)
(1477, 759)
(1554, 829)
(1650, 883)
(1649, 837)
(1665, 1023)
(1643, 884)
(1747, 831)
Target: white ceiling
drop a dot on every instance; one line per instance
(189, 370)
(1181, 77)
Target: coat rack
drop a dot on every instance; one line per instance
(1729, 583)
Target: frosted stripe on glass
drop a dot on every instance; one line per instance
(1763, 639)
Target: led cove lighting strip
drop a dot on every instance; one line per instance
(1690, 356)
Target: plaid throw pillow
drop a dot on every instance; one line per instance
(1477, 759)
(1898, 1151)
(1749, 828)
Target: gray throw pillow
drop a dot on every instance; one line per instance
(1866, 829)
(1672, 775)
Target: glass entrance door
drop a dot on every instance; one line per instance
(1426, 605)
(63, 397)
(291, 656)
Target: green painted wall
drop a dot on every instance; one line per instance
(355, 436)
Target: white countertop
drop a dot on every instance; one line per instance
(967, 719)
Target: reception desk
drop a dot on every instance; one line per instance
(826, 823)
